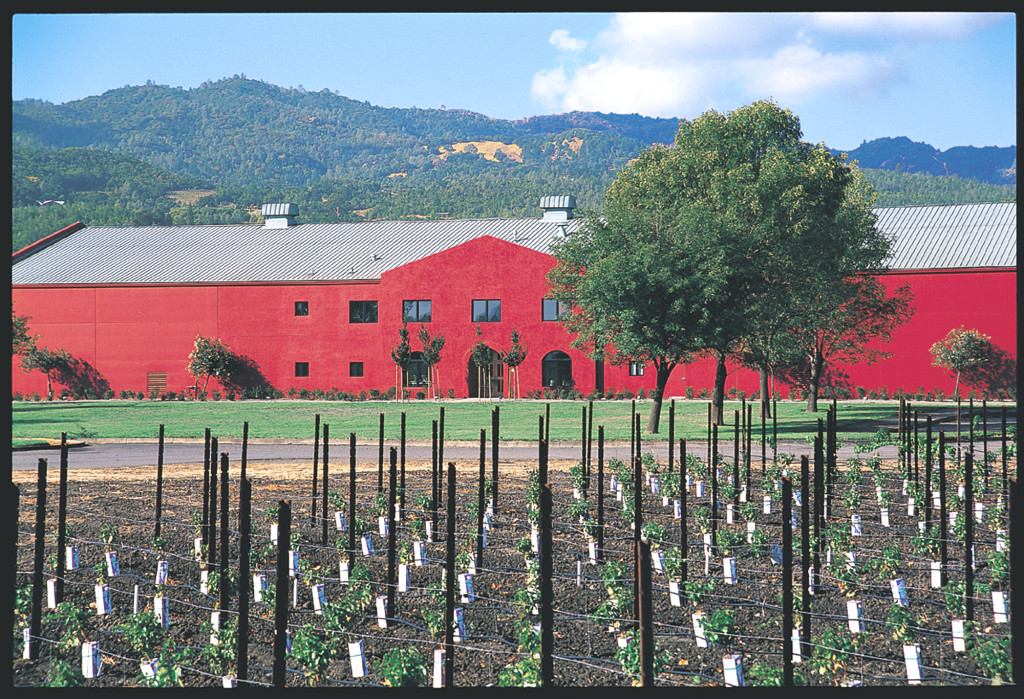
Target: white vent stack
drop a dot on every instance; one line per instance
(558, 207)
(279, 215)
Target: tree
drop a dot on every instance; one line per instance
(481, 357)
(845, 324)
(21, 340)
(699, 243)
(960, 351)
(432, 346)
(53, 364)
(512, 358)
(402, 357)
(209, 358)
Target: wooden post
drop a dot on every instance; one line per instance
(351, 500)
(943, 560)
(392, 570)
(481, 499)
(805, 557)
(159, 485)
(225, 599)
(245, 449)
(684, 544)
(36, 623)
(316, 455)
(62, 514)
(327, 442)
(545, 573)
(787, 582)
(244, 544)
(969, 535)
(380, 455)
(204, 528)
(714, 485)
(281, 596)
(401, 469)
(434, 475)
(495, 420)
(645, 610)
(590, 440)
(928, 475)
(671, 433)
(211, 552)
(449, 582)
(736, 459)
(600, 491)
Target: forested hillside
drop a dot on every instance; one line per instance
(153, 154)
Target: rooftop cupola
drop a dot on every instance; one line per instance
(279, 215)
(558, 208)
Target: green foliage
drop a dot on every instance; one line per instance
(144, 633)
(718, 623)
(832, 650)
(629, 658)
(313, 652)
(76, 623)
(403, 667)
(64, 674)
(221, 655)
(902, 624)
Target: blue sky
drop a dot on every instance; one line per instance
(946, 79)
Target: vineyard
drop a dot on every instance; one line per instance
(715, 567)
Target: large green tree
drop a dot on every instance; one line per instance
(706, 247)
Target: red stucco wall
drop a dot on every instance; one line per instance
(125, 332)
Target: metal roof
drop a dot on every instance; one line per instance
(310, 252)
(954, 236)
(926, 237)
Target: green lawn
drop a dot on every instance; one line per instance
(119, 419)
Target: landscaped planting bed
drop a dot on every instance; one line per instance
(113, 511)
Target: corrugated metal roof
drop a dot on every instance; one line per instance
(926, 237)
(249, 253)
(955, 236)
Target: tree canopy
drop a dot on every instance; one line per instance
(711, 246)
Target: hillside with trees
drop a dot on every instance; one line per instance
(157, 155)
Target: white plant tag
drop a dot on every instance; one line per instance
(382, 525)
(162, 568)
(358, 658)
(698, 630)
(438, 668)
(592, 547)
(162, 610)
(853, 615)
(751, 528)
(936, 574)
(855, 525)
(71, 558)
(102, 599)
(729, 570)
(343, 570)
(885, 516)
(658, 559)
(912, 657)
(910, 507)
(91, 665)
(766, 507)
(732, 665)
(51, 593)
(418, 553)
(899, 592)
(959, 645)
(339, 521)
(319, 597)
(403, 577)
(460, 626)
(382, 617)
(466, 587)
(999, 606)
(367, 545)
(113, 567)
(293, 564)
(259, 584)
(673, 593)
(677, 510)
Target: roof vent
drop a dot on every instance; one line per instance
(558, 208)
(279, 215)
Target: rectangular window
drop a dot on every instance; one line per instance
(487, 310)
(362, 311)
(416, 311)
(301, 369)
(636, 368)
(355, 369)
(302, 308)
(553, 310)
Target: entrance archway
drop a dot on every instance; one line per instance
(488, 382)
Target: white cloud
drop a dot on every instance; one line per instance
(561, 40)
(682, 63)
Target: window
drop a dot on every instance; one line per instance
(302, 308)
(556, 370)
(416, 373)
(553, 310)
(301, 369)
(487, 311)
(416, 311)
(362, 311)
(355, 369)
(636, 368)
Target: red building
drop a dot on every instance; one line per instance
(320, 306)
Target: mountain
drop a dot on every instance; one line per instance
(153, 154)
(991, 164)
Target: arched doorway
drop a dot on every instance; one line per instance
(556, 370)
(488, 381)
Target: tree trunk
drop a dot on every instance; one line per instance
(766, 394)
(654, 419)
(817, 365)
(718, 395)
